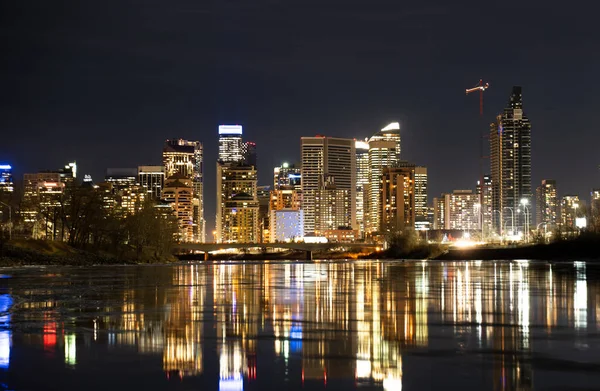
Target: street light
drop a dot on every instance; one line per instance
(545, 229)
(499, 215)
(525, 202)
(9, 220)
(478, 206)
(512, 218)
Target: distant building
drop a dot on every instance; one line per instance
(42, 200)
(595, 210)
(547, 204)
(152, 178)
(326, 161)
(486, 208)
(362, 184)
(287, 175)
(286, 198)
(461, 210)
(332, 209)
(249, 153)
(121, 177)
(185, 159)
(234, 179)
(439, 212)
(127, 194)
(569, 206)
(230, 144)
(263, 196)
(384, 151)
(510, 158)
(6, 179)
(179, 193)
(403, 195)
(288, 225)
(240, 219)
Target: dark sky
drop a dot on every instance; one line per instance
(105, 82)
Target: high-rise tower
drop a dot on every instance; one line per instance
(384, 151)
(231, 149)
(184, 159)
(362, 184)
(510, 158)
(547, 204)
(326, 161)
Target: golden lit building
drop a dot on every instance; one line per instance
(403, 195)
(178, 192)
(237, 179)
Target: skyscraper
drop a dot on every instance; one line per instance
(230, 144)
(237, 193)
(184, 159)
(326, 158)
(179, 193)
(568, 211)
(403, 197)
(384, 151)
(547, 204)
(510, 158)
(153, 179)
(362, 184)
(485, 204)
(249, 153)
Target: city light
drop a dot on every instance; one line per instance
(230, 129)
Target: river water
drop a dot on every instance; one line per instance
(365, 325)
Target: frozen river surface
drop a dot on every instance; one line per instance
(366, 325)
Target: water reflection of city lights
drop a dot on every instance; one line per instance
(5, 333)
(580, 296)
(70, 349)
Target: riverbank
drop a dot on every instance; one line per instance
(567, 250)
(26, 252)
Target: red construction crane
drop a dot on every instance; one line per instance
(479, 87)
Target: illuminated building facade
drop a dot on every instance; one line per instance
(152, 178)
(384, 151)
(179, 193)
(287, 225)
(510, 159)
(6, 179)
(332, 211)
(184, 159)
(439, 212)
(287, 175)
(327, 160)
(402, 197)
(569, 206)
(485, 201)
(234, 179)
(362, 184)
(461, 210)
(240, 219)
(286, 199)
(547, 204)
(42, 200)
(230, 144)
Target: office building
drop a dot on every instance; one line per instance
(121, 178)
(179, 193)
(362, 184)
(569, 211)
(485, 204)
(42, 201)
(152, 178)
(230, 144)
(6, 179)
(384, 151)
(403, 197)
(510, 158)
(287, 175)
(439, 212)
(547, 204)
(232, 180)
(594, 223)
(327, 161)
(263, 196)
(461, 210)
(333, 213)
(285, 198)
(184, 159)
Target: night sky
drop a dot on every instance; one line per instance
(105, 82)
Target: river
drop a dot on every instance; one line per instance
(368, 325)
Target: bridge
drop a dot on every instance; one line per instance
(308, 248)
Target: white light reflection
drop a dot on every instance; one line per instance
(70, 349)
(580, 296)
(5, 334)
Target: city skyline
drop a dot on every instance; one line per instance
(80, 86)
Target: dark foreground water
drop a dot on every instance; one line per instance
(292, 326)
